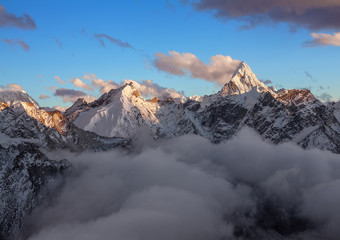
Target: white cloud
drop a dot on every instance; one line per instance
(60, 109)
(150, 89)
(146, 87)
(59, 80)
(12, 86)
(323, 39)
(89, 76)
(77, 82)
(219, 70)
(104, 86)
(43, 96)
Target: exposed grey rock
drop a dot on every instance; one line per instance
(27, 178)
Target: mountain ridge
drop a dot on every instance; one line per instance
(244, 101)
(111, 121)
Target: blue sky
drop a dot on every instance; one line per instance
(63, 44)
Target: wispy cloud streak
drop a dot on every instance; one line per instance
(10, 20)
(19, 42)
(101, 37)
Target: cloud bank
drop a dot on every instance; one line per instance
(187, 188)
(311, 14)
(10, 20)
(219, 70)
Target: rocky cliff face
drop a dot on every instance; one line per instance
(27, 178)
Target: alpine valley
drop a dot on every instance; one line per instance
(28, 177)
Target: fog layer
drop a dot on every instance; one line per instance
(187, 188)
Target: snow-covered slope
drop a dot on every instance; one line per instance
(243, 81)
(23, 121)
(336, 109)
(121, 111)
(278, 116)
(117, 113)
(12, 97)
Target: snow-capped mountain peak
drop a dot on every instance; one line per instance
(116, 113)
(125, 91)
(243, 81)
(12, 97)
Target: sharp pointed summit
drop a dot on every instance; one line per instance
(243, 81)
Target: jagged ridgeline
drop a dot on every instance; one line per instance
(111, 121)
(278, 116)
